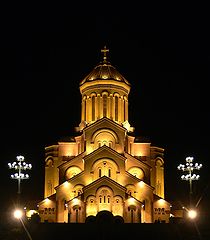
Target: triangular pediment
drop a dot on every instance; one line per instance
(104, 151)
(138, 161)
(104, 181)
(71, 161)
(108, 123)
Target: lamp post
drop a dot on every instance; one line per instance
(20, 166)
(190, 176)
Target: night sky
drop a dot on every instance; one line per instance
(163, 51)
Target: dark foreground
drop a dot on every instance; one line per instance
(172, 231)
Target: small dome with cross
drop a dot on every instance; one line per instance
(104, 71)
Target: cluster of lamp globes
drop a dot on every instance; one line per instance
(19, 166)
(189, 166)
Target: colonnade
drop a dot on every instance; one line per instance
(96, 106)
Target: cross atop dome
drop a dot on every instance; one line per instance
(105, 51)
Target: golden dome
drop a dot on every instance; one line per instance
(104, 71)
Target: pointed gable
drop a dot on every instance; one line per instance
(105, 132)
(104, 153)
(104, 181)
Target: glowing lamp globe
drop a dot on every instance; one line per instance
(18, 213)
(192, 214)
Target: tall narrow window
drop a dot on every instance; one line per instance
(99, 172)
(104, 105)
(77, 215)
(132, 215)
(116, 108)
(109, 172)
(93, 108)
(85, 110)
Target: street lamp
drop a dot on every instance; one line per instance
(192, 214)
(190, 176)
(20, 166)
(18, 214)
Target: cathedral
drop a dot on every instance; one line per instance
(104, 167)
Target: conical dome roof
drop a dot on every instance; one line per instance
(104, 71)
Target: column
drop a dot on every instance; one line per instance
(123, 110)
(126, 109)
(101, 107)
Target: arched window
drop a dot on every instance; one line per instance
(109, 172)
(85, 109)
(116, 108)
(72, 171)
(99, 172)
(93, 108)
(105, 196)
(137, 172)
(104, 105)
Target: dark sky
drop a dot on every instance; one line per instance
(162, 50)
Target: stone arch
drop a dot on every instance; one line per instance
(104, 93)
(104, 216)
(118, 219)
(118, 206)
(49, 161)
(93, 94)
(137, 172)
(104, 196)
(130, 190)
(105, 167)
(72, 171)
(159, 161)
(91, 206)
(78, 190)
(116, 94)
(90, 219)
(104, 137)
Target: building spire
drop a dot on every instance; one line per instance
(104, 51)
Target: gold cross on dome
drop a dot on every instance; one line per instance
(104, 51)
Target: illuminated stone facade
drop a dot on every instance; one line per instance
(104, 167)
